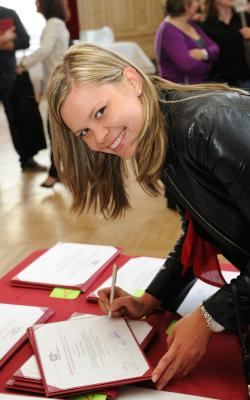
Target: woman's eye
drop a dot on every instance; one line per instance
(100, 112)
(83, 133)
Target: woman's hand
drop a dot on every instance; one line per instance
(7, 39)
(125, 304)
(20, 69)
(187, 343)
(198, 54)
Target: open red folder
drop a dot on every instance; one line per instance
(69, 265)
(92, 354)
(15, 330)
(28, 378)
(35, 387)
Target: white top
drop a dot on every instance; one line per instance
(54, 43)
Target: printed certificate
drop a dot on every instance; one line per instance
(87, 353)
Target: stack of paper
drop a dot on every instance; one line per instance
(87, 354)
(28, 377)
(134, 276)
(14, 322)
(71, 265)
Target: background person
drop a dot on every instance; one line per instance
(224, 26)
(185, 54)
(54, 42)
(27, 142)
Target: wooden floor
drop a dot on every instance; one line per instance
(34, 218)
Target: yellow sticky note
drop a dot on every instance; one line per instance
(170, 326)
(139, 292)
(63, 293)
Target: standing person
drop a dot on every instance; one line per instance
(104, 111)
(54, 42)
(25, 143)
(185, 54)
(224, 26)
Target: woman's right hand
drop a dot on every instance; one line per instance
(197, 54)
(7, 39)
(126, 305)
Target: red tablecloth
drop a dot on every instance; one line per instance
(218, 375)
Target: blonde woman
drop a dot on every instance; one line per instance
(104, 111)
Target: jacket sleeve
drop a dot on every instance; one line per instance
(50, 35)
(169, 283)
(226, 128)
(22, 38)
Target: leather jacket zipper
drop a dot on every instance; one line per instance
(202, 218)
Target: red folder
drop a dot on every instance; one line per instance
(47, 314)
(6, 24)
(84, 286)
(15, 384)
(55, 391)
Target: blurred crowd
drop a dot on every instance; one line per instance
(204, 40)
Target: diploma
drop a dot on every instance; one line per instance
(105, 349)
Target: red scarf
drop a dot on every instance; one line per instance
(201, 256)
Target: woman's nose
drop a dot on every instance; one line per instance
(101, 135)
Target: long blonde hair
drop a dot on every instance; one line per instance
(96, 179)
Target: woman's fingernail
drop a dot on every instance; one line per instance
(154, 378)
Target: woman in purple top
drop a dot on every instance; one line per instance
(185, 54)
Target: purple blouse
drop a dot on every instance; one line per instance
(173, 61)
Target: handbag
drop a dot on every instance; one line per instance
(242, 329)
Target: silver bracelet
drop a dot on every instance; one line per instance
(212, 325)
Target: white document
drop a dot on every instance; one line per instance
(68, 264)
(4, 396)
(30, 369)
(137, 393)
(200, 292)
(88, 351)
(14, 322)
(135, 275)
(139, 328)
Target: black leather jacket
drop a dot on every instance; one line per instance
(207, 171)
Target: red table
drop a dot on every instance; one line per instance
(218, 375)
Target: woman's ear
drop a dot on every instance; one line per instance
(133, 79)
